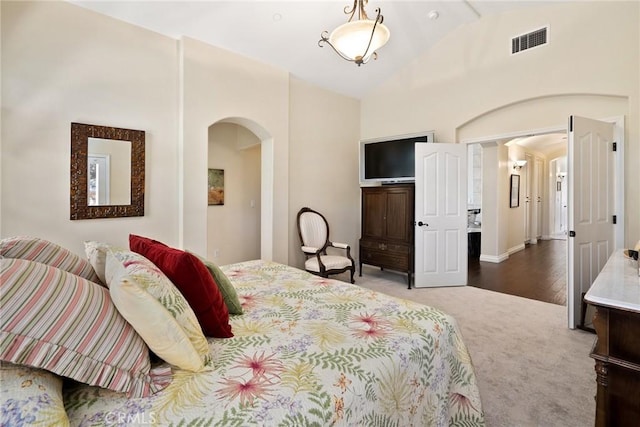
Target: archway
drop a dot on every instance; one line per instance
(544, 112)
(251, 133)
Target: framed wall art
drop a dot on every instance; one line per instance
(514, 195)
(216, 187)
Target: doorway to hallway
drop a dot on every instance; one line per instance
(538, 272)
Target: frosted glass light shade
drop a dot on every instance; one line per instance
(351, 39)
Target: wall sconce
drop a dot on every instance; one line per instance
(518, 164)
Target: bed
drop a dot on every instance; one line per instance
(311, 351)
(306, 351)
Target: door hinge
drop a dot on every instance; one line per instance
(572, 233)
(615, 146)
(615, 219)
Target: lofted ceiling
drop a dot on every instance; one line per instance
(286, 33)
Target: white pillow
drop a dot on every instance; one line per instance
(155, 308)
(97, 256)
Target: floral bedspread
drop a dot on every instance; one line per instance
(310, 351)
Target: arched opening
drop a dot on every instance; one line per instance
(240, 223)
(536, 119)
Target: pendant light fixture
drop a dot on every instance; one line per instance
(358, 39)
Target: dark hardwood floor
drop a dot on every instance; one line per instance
(537, 272)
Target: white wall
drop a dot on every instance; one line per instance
(233, 229)
(469, 86)
(63, 64)
(324, 163)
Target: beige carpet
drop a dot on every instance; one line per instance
(532, 370)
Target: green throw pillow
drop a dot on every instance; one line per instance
(224, 284)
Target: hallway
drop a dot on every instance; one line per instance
(537, 272)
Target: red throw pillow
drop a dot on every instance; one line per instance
(192, 278)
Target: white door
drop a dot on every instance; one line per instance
(590, 216)
(441, 215)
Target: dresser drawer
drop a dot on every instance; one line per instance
(383, 246)
(387, 259)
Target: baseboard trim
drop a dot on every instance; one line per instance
(515, 249)
(557, 237)
(494, 259)
(502, 257)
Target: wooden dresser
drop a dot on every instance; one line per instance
(386, 238)
(616, 296)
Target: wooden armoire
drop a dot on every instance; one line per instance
(386, 239)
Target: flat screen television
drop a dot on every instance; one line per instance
(389, 161)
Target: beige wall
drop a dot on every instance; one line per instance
(233, 229)
(324, 163)
(63, 64)
(469, 86)
(219, 85)
(515, 216)
(495, 204)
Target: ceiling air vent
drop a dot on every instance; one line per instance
(529, 40)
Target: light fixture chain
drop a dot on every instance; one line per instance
(358, 5)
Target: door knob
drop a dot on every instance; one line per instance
(420, 223)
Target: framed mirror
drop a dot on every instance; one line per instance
(107, 172)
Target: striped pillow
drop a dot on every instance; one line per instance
(60, 322)
(30, 397)
(40, 250)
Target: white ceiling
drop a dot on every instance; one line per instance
(286, 33)
(545, 143)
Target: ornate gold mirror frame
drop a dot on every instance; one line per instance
(80, 208)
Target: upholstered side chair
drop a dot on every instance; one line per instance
(313, 230)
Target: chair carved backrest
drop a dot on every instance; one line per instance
(313, 228)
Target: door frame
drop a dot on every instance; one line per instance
(618, 173)
(618, 176)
